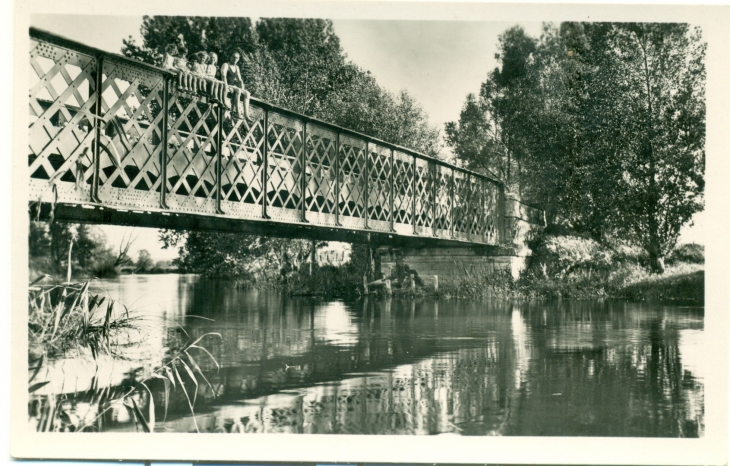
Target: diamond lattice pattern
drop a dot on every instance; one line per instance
(283, 189)
(443, 198)
(424, 194)
(379, 184)
(320, 194)
(352, 181)
(403, 189)
(191, 152)
(131, 138)
(242, 161)
(62, 99)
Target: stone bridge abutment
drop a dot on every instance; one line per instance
(451, 263)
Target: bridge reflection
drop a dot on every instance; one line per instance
(397, 366)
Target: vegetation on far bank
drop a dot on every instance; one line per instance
(574, 267)
(563, 266)
(51, 245)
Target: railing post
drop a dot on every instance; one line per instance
(468, 205)
(97, 129)
(366, 201)
(453, 201)
(303, 181)
(413, 205)
(483, 210)
(392, 190)
(337, 180)
(265, 165)
(219, 161)
(163, 152)
(434, 196)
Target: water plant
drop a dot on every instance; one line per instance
(68, 320)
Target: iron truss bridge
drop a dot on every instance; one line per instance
(113, 140)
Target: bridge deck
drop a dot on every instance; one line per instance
(112, 140)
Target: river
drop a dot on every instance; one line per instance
(399, 366)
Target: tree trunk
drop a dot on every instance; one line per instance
(312, 255)
(656, 259)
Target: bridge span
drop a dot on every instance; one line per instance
(115, 141)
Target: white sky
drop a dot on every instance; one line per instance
(438, 62)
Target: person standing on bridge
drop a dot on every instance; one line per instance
(231, 76)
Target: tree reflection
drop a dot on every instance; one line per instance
(421, 367)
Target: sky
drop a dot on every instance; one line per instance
(437, 62)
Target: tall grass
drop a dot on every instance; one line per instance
(67, 320)
(572, 267)
(65, 317)
(481, 282)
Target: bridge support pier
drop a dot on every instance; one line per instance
(450, 264)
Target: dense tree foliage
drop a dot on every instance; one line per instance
(601, 124)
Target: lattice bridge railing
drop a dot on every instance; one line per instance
(109, 131)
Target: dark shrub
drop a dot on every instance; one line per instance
(691, 253)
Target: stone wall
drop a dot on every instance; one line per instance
(521, 222)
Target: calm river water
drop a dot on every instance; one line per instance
(397, 366)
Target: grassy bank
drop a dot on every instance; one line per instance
(568, 267)
(679, 285)
(562, 267)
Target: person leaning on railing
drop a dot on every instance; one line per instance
(168, 58)
(231, 76)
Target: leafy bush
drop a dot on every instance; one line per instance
(558, 256)
(691, 253)
(325, 281)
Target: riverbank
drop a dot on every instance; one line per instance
(571, 267)
(681, 284)
(562, 267)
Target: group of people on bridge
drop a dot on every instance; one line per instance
(198, 73)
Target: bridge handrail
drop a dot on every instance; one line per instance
(110, 132)
(61, 41)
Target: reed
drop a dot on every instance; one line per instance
(68, 319)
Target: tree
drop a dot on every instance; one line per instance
(49, 245)
(230, 255)
(601, 124)
(656, 80)
(475, 138)
(121, 257)
(144, 261)
(222, 35)
(491, 132)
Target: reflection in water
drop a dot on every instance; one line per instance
(389, 366)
